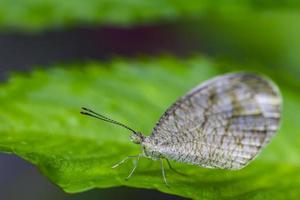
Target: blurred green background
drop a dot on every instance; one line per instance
(261, 36)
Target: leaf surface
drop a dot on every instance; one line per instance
(40, 122)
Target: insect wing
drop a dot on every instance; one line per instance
(223, 123)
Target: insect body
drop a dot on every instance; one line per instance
(223, 123)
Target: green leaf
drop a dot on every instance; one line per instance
(40, 122)
(41, 14)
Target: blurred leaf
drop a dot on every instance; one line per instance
(40, 122)
(39, 14)
(270, 38)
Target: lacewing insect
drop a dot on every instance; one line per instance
(223, 123)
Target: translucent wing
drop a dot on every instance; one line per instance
(223, 123)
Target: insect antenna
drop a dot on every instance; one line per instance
(91, 113)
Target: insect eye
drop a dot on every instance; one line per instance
(135, 138)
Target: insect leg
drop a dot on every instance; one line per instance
(163, 171)
(135, 164)
(174, 170)
(124, 160)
